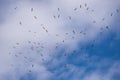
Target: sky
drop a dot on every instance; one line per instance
(59, 39)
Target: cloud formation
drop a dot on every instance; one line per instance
(41, 39)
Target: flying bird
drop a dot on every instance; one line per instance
(111, 14)
(58, 15)
(80, 6)
(35, 17)
(85, 4)
(15, 8)
(58, 9)
(20, 23)
(31, 9)
(75, 9)
(69, 17)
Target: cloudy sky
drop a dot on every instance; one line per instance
(59, 39)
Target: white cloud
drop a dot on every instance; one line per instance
(96, 75)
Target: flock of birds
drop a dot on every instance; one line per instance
(36, 48)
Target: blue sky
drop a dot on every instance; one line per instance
(59, 40)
